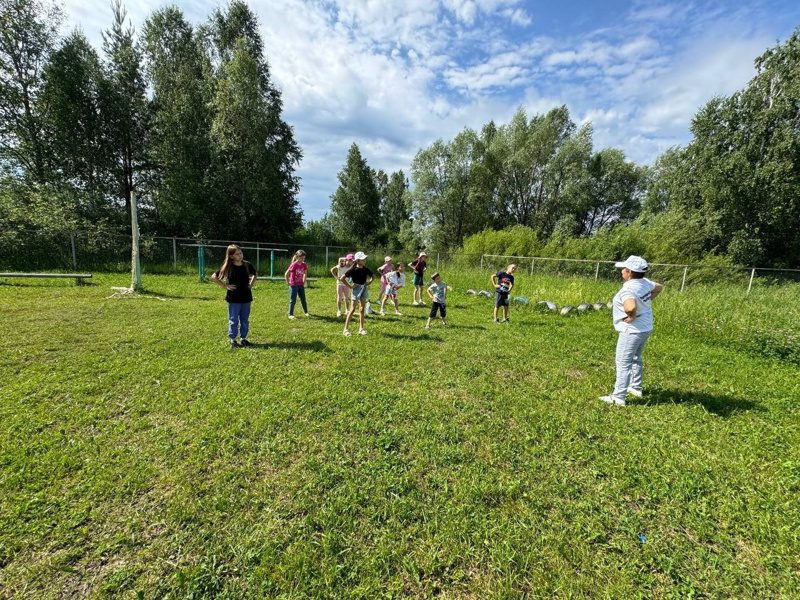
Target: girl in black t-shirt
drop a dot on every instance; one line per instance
(238, 277)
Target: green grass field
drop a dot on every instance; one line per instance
(141, 457)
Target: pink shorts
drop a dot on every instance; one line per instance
(383, 285)
(342, 291)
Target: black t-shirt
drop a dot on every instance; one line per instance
(359, 275)
(240, 277)
(505, 281)
(419, 267)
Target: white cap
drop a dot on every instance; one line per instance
(633, 263)
(361, 256)
(387, 259)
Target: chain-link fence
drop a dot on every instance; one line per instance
(58, 251)
(675, 275)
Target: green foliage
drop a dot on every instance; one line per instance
(355, 205)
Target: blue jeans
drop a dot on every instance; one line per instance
(238, 319)
(630, 346)
(294, 291)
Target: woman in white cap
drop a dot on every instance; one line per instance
(633, 319)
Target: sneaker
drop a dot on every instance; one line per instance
(427, 326)
(635, 392)
(398, 313)
(382, 313)
(338, 313)
(415, 304)
(234, 344)
(292, 317)
(307, 315)
(245, 344)
(612, 400)
(496, 320)
(444, 325)
(347, 333)
(362, 332)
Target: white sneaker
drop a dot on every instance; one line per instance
(382, 313)
(427, 326)
(398, 313)
(308, 315)
(292, 317)
(612, 400)
(415, 304)
(635, 392)
(347, 333)
(362, 332)
(338, 313)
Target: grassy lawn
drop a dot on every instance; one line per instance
(141, 457)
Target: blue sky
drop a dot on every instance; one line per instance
(393, 75)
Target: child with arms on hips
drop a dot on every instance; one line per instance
(394, 281)
(358, 279)
(342, 291)
(503, 282)
(238, 277)
(296, 280)
(384, 270)
(437, 292)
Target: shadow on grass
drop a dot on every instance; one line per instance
(315, 346)
(425, 336)
(720, 405)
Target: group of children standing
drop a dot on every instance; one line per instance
(237, 277)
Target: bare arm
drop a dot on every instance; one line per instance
(286, 276)
(334, 269)
(494, 281)
(629, 306)
(656, 290)
(221, 283)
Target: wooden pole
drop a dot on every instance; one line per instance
(136, 268)
(437, 261)
(749, 285)
(481, 262)
(597, 271)
(683, 283)
(327, 248)
(533, 262)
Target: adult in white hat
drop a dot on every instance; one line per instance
(633, 319)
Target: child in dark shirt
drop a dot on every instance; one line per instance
(357, 279)
(238, 277)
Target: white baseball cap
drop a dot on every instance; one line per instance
(361, 256)
(387, 259)
(633, 263)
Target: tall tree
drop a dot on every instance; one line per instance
(255, 150)
(28, 31)
(75, 90)
(180, 147)
(394, 210)
(355, 205)
(127, 112)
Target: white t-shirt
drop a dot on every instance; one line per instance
(639, 290)
(396, 279)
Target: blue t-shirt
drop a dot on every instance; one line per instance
(505, 281)
(439, 290)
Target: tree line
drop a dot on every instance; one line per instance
(186, 118)
(536, 186)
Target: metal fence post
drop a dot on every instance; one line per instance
(74, 254)
(597, 271)
(258, 257)
(326, 257)
(685, 270)
(437, 261)
(481, 262)
(749, 285)
(174, 254)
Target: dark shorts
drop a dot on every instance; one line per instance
(442, 308)
(501, 298)
(418, 280)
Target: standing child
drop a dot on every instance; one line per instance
(394, 281)
(341, 288)
(439, 298)
(419, 267)
(296, 280)
(384, 270)
(359, 276)
(503, 282)
(238, 277)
